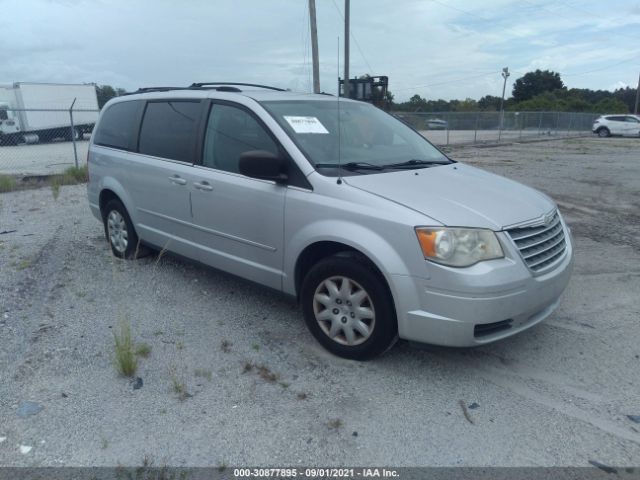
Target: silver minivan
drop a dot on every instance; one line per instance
(377, 233)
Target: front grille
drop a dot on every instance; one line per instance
(540, 245)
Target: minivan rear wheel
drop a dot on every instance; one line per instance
(119, 230)
(348, 308)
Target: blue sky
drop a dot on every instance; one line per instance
(434, 48)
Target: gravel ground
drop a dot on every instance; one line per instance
(557, 395)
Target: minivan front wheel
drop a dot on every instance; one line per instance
(119, 230)
(604, 132)
(348, 309)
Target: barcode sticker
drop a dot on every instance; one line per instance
(305, 124)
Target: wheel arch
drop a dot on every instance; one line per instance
(111, 189)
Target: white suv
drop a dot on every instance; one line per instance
(607, 125)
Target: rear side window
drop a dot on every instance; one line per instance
(118, 125)
(169, 130)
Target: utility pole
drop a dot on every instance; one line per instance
(347, 85)
(314, 46)
(505, 74)
(637, 96)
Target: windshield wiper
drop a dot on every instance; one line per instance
(414, 164)
(350, 166)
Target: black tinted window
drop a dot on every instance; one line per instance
(118, 125)
(232, 131)
(616, 119)
(169, 130)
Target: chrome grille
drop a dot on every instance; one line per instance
(540, 245)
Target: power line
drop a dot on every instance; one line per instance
(486, 74)
(353, 37)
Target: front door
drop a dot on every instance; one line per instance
(238, 221)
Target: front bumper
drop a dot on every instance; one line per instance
(446, 308)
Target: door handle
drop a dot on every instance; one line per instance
(177, 180)
(203, 186)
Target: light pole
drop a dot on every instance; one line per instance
(505, 75)
(637, 97)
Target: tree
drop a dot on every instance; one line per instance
(535, 83)
(490, 103)
(106, 93)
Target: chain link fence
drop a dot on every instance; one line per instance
(38, 142)
(44, 142)
(457, 128)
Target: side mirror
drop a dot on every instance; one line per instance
(263, 165)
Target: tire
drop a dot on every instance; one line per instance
(119, 230)
(365, 324)
(603, 132)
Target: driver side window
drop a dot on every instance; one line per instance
(232, 131)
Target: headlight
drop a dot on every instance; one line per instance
(458, 247)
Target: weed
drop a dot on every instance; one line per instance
(284, 385)
(24, 263)
(205, 373)
(163, 411)
(126, 361)
(302, 396)
(335, 424)
(104, 444)
(179, 345)
(7, 183)
(157, 333)
(263, 372)
(178, 386)
(256, 347)
(143, 350)
(248, 366)
(226, 346)
(74, 175)
(222, 466)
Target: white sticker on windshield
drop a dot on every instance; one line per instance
(305, 124)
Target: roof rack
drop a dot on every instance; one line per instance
(206, 84)
(219, 86)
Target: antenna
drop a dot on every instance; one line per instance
(339, 126)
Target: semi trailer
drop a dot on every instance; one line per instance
(39, 112)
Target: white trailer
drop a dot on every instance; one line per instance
(33, 112)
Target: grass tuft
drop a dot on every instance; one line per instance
(178, 386)
(143, 350)
(125, 355)
(204, 373)
(7, 183)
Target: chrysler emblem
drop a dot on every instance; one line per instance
(548, 218)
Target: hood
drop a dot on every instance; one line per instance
(458, 195)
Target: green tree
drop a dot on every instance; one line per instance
(466, 105)
(535, 83)
(106, 93)
(489, 103)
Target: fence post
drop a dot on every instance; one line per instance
(475, 132)
(569, 129)
(73, 132)
(448, 117)
(540, 123)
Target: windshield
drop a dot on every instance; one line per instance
(367, 136)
